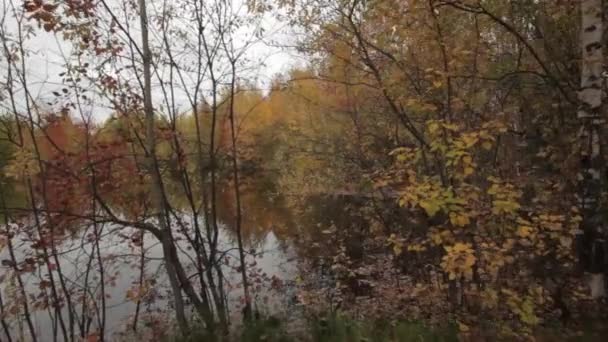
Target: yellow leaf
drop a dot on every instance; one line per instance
(459, 220)
(416, 248)
(450, 127)
(397, 249)
(469, 140)
(463, 327)
(430, 207)
(433, 127)
(468, 171)
(436, 238)
(461, 247)
(524, 231)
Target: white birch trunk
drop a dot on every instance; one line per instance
(591, 117)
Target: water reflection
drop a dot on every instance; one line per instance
(278, 232)
(269, 258)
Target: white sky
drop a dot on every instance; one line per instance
(45, 61)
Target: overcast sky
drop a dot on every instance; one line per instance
(47, 51)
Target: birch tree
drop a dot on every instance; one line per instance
(590, 114)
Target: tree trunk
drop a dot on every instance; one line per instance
(237, 196)
(157, 191)
(590, 236)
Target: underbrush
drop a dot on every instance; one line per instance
(331, 328)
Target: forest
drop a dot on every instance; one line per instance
(303, 170)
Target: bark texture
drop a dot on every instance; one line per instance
(590, 236)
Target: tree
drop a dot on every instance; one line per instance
(590, 236)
